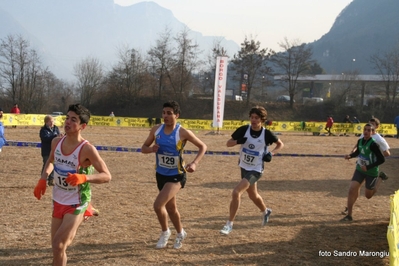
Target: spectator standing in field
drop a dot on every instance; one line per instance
(47, 133)
(15, 110)
(71, 192)
(254, 140)
(167, 141)
(396, 122)
(347, 119)
(355, 120)
(2, 138)
(369, 158)
(329, 124)
(112, 114)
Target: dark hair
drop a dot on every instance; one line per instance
(260, 111)
(81, 111)
(174, 105)
(369, 125)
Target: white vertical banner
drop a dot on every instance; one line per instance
(219, 91)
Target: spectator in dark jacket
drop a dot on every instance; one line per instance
(396, 122)
(347, 119)
(47, 133)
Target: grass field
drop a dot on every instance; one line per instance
(306, 194)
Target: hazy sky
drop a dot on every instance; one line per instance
(268, 21)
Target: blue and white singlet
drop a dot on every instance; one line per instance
(169, 159)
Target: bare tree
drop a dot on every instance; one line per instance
(292, 62)
(134, 68)
(185, 62)
(347, 88)
(161, 59)
(251, 65)
(10, 65)
(128, 79)
(387, 65)
(89, 74)
(21, 74)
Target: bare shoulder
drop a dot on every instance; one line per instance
(185, 133)
(155, 128)
(88, 147)
(56, 139)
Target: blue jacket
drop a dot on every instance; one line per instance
(46, 136)
(396, 121)
(2, 138)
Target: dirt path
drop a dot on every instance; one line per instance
(306, 194)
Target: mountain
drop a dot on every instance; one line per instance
(65, 32)
(362, 29)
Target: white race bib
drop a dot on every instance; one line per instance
(168, 161)
(59, 180)
(249, 158)
(362, 161)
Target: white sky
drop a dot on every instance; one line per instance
(268, 21)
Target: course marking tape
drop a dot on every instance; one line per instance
(227, 153)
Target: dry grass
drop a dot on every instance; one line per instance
(306, 194)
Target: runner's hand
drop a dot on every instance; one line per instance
(191, 167)
(267, 157)
(76, 179)
(40, 189)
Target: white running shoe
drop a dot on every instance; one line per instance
(163, 239)
(266, 216)
(179, 239)
(226, 230)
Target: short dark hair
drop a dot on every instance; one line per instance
(260, 111)
(369, 125)
(174, 105)
(81, 111)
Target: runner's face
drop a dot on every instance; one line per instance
(367, 131)
(72, 122)
(169, 118)
(255, 120)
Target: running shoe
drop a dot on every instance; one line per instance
(266, 217)
(179, 239)
(163, 239)
(94, 211)
(383, 176)
(347, 218)
(345, 212)
(226, 230)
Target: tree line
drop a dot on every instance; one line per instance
(172, 68)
